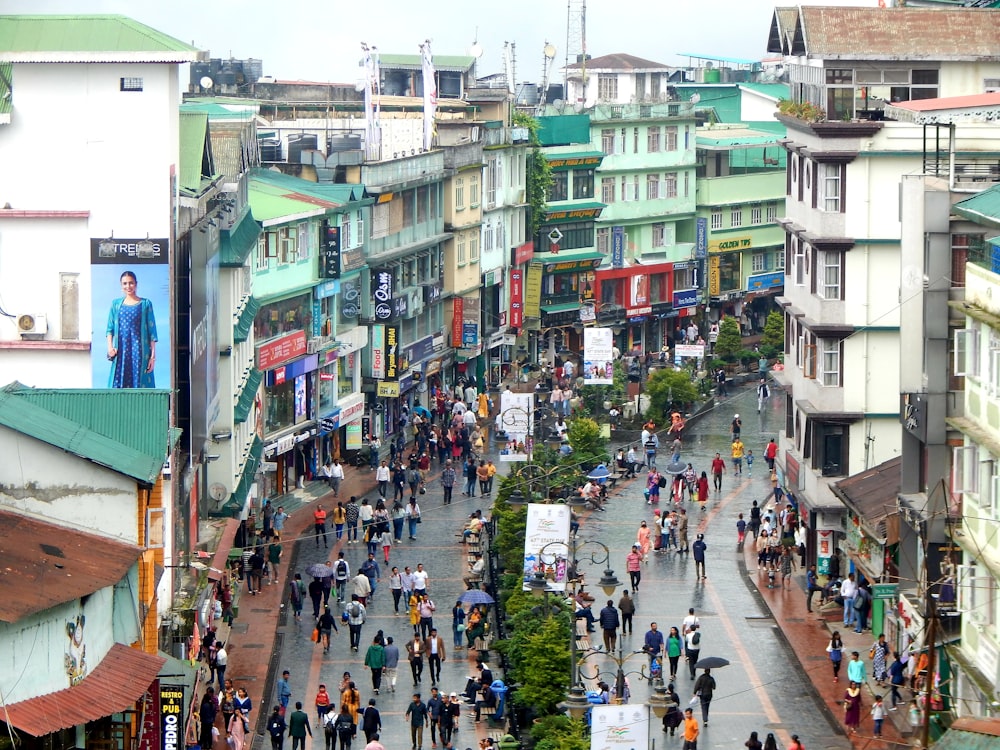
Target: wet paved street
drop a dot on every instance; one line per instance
(763, 689)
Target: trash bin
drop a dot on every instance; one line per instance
(508, 742)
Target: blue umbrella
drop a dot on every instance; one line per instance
(476, 596)
(600, 472)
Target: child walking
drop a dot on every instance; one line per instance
(878, 715)
(386, 541)
(741, 531)
(748, 459)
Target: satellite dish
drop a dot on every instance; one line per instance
(578, 107)
(549, 51)
(558, 104)
(695, 98)
(206, 82)
(476, 50)
(360, 84)
(218, 491)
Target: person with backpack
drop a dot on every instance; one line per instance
(375, 661)
(276, 728)
(355, 614)
(341, 575)
(692, 647)
(370, 568)
(862, 603)
(325, 624)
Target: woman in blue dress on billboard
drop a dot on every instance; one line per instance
(131, 338)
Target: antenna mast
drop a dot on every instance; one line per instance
(576, 43)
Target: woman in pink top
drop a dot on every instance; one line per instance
(633, 564)
(642, 539)
(556, 399)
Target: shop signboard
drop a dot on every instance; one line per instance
(638, 290)
(383, 285)
(350, 298)
(617, 247)
(392, 353)
(620, 726)
(378, 352)
(470, 334)
(727, 244)
(573, 266)
(700, 237)
(685, 298)
(387, 390)
(274, 352)
(419, 350)
(172, 717)
(533, 291)
(523, 253)
(714, 276)
(457, 316)
(763, 281)
(149, 730)
(329, 260)
(824, 550)
(546, 544)
(516, 298)
(355, 435)
(598, 358)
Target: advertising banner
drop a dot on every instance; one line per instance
(329, 259)
(619, 727)
(516, 298)
(392, 353)
(383, 284)
(598, 359)
(149, 730)
(378, 352)
(282, 349)
(700, 237)
(546, 544)
(516, 414)
(824, 551)
(457, 316)
(172, 717)
(638, 289)
(130, 313)
(688, 350)
(617, 247)
(533, 291)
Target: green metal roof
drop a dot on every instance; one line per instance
(247, 396)
(6, 92)
(441, 62)
(274, 196)
(241, 331)
(216, 111)
(237, 243)
(193, 129)
(239, 497)
(563, 130)
(126, 430)
(87, 38)
(982, 208)
(562, 307)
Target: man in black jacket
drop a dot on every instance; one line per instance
(704, 686)
(609, 624)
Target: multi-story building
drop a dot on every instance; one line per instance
(846, 157)
(618, 78)
(741, 195)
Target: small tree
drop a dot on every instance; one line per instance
(666, 388)
(772, 343)
(589, 448)
(729, 344)
(560, 733)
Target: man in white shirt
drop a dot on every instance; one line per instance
(420, 580)
(568, 369)
(469, 419)
(221, 662)
(336, 472)
(476, 569)
(848, 589)
(458, 407)
(361, 587)
(471, 396)
(690, 622)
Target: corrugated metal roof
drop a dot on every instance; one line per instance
(45, 564)
(872, 493)
(113, 686)
(969, 733)
(897, 34)
(193, 126)
(235, 149)
(87, 38)
(242, 409)
(620, 61)
(236, 243)
(441, 62)
(273, 195)
(982, 207)
(126, 430)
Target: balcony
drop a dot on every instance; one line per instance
(463, 155)
(400, 173)
(660, 111)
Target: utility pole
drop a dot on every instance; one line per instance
(930, 612)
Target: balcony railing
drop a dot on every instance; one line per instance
(387, 175)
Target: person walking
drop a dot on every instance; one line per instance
(296, 595)
(681, 524)
(434, 705)
(457, 625)
(633, 564)
(395, 588)
(319, 525)
(852, 707)
(698, 550)
(434, 648)
(718, 469)
(415, 654)
(361, 588)
(355, 612)
(610, 623)
(848, 588)
(448, 718)
(221, 663)
(878, 716)
(835, 648)
(448, 477)
(416, 715)
(704, 687)
(413, 516)
(336, 477)
(692, 647)
(626, 605)
(352, 515)
(375, 661)
(879, 654)
(325, 624)
(391, 657)
(276, 728)
(862, 604)
(426, 609)
(642, 539)
(208, 712)
(674, 649)
(284, 692)
(856, 669)
(897, 678)
(737, 449)
(382, 476)
(371, 721)
(298, 727)
(770, 453)
(653, 642)
(690, 730)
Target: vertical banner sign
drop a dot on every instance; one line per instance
(617, 247)
(824, 551)
(130, 313)
(533, 291)
(516, 319)
(457, 314)
(621, 727)
(713, 276)
(598, 360)
(149, 732)
(546, 544)
(171, 717)
(516, 415)
(378, 352)
(392, 353)
(700, 238)
(329, 263)
(382, 288)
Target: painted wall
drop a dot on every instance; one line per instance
(48, 483)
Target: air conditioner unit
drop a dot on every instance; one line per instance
(32, 325)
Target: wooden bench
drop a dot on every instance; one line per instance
(582, 636)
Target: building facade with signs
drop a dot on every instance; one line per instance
(309, 278)
(741, 196)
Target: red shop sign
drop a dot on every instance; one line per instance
(457, 315)
(281, 350)
(516, 298)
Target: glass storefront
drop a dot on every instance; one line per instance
(287, 404)
(285, 316)
(327, 389)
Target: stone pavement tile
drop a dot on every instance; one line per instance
(807, 634)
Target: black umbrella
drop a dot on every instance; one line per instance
(675, 467)
(711, 662)
(319, 570)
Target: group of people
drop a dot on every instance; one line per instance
(234, 706)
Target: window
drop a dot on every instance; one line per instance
(652, 187)
(607, 189)
(286, 245)
(607, 86)
(460, 249)
(659, 235)
(755, 214)
(630, 189)
(473, 248)
(608, 140)
(423, 198)
(799, 250)
(653, 139)
(736, 216)
(670, 138)
(560, 187)
(583, 184)
(494, 179)
(772, 212)
(779, 260)
(716, 219)
(828, 266)
(965, 469)
(687, 183)
(265, 250)
(459, 193)
(575, 235)
(604, 240)
(359, 229)
(635, 140)
(758, 263)
(488, 235)
(409, 208)
(967, 352)
(304, 242)
(473, 191)
(830, 362)
(670, 185)
(130, 84)
(829, 186)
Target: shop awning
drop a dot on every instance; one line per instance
(235, 244)
(220, 559)
(238, 499)
(241, 330)
(577, 211)
(563, 307)
(247, 396)
(970, 733)
(114, 685)
(872, 494)
(569, 261)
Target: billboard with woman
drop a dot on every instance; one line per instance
(130, 313)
